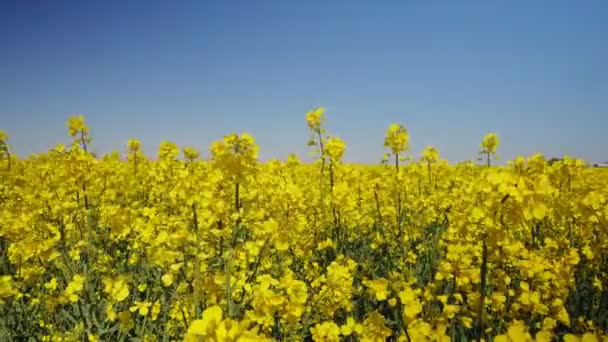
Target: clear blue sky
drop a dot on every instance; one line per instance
(535, 72)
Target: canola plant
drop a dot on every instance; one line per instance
(133, 248)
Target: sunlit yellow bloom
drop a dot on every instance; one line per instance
(134, 145)
(379, 287)
(117, 288)
(326, 331)
(430, 154)
(489, 143)
(315, 118)
(74, 287)
(335, 148)
(397, 138)
(77, 126)
(351, 327)
(190, 153)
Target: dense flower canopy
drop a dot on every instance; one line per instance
(231, 249)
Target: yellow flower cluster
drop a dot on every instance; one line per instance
(213, 327)
(180, 247)
(315, 118)
(397, 138)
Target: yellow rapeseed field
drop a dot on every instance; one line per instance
(132, 248)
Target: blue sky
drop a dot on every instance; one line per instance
(535, 72)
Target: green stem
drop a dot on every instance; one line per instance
(322, 151)
(197, 267)
(237, 204)
(482, 288)
(398, 206)
(228, 271)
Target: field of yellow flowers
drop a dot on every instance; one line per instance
(131, 248)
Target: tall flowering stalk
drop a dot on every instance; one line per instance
(315, 119)
(79, 132)
(488, 148)
(430, 155)
(134, 153)
(489, 144)
(237, 157)
(397, 141)
(334, 150)
(329, 149)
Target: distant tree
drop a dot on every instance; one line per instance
(554, 160)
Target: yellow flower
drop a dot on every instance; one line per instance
(539, 211)
(563, 316)
(335, 148)
(350, 327)
(190, 153)
(430, 154)
(544, 336)
(52, 284)
(167, 279)
(315, 118)
(76, 126)
(392, 302)
(517, 331)
(125, 321)
(589, 337)
(374, 328)
(74, 287)
(451, 310)
(167, 151)
(326, 332)
(206, 326)
(411, 310)
(477, 214)
(141, 307)
(6, 286)
(111, 313)
(598, 284)
(117, 288)
(134, 145)
(379, 287)
(212, 327)
(588, 252)
(489, 143)
(155, 310)
(571, 338)
(236, 155)
(397, 138)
